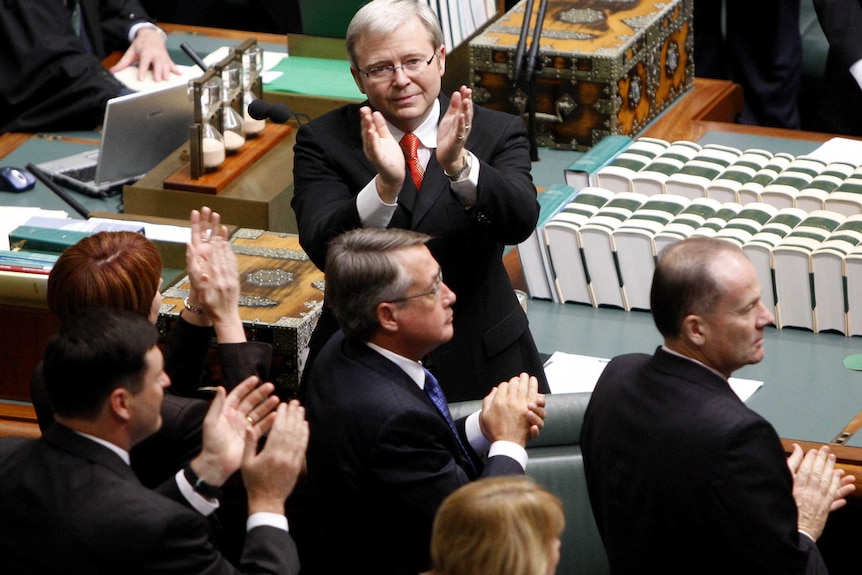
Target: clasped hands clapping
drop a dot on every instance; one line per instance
(384, 152)
(818, 487)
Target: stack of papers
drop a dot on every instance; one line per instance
(571, 373)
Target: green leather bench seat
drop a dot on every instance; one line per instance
(557, 464)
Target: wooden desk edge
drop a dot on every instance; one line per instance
(18, 419)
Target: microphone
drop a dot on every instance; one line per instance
(193, 56)
(261, 110)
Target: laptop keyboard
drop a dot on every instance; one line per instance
(85, 174)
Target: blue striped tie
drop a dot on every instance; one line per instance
(435, 394)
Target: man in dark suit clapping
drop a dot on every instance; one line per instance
(384, 450)
(682, 476)
(70, 500)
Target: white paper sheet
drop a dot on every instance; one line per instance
(572, 373)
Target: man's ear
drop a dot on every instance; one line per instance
(694, 329)
(357, 79)
(387, 316)
(119, 403)
(442, 59)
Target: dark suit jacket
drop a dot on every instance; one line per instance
(684, 478)
(49, 81)
(758, 45)
(381, 459)
(72, 505)
(840, 106)
(492, 339)
(161, 455)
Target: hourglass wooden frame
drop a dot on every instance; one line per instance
(196, 153)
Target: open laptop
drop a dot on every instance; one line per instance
(139, 131)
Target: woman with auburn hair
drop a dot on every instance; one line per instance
(122, 270)
(498, 526)
(117, 270)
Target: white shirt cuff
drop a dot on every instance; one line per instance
(140, 26)
(509, 449)
(201, 504)
(856, 71)
(373, 212)
(467, 190)
(478, 442)
(266, 520)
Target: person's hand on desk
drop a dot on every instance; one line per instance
(149, 51)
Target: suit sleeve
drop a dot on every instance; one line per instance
(841, 21)
(325, 192)
(507, 208)
(755, 491)
(116, 16)
(185, 546)
(49, 81)
(186, 350)
(240, 360)
(413, 462)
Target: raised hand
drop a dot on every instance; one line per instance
(247, 409)
(385, 154)
(270, 475)
(213, 277)
(453, 130)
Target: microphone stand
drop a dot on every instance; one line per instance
(526, 66)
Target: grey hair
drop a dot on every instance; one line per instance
(383, 17)
(362, 272)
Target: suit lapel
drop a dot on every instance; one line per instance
(389, 371)
(433, 186)
(435, 182)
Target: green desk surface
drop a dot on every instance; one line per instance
(315, 76)
(807, 393)
(38, 149)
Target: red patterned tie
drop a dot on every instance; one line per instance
(410, 144)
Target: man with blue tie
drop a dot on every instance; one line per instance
(384, 451)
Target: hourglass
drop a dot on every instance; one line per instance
(232, 123)
(212, 141)
(252, 65)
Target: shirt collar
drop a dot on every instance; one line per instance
(124, 455)
(413, 369)
(427, 130)
(691, 359)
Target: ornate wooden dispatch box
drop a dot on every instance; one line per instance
(281, 294)
(607, 66)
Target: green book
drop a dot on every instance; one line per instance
(38, 239)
